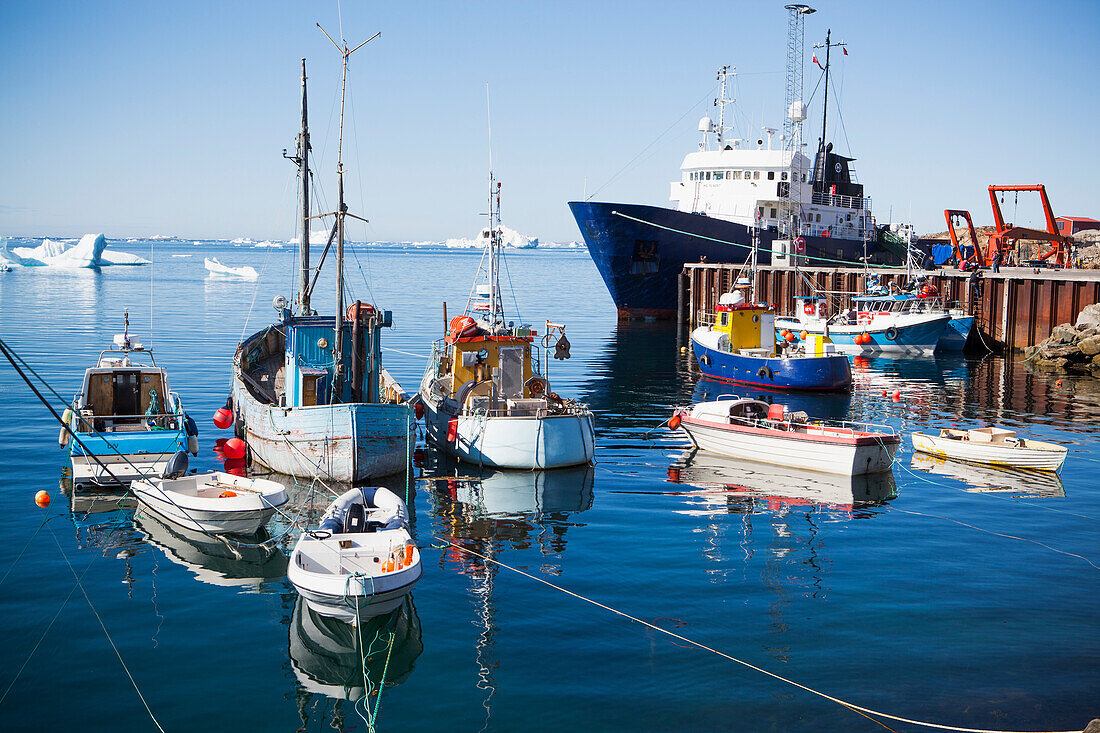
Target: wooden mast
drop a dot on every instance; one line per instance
(341, 212)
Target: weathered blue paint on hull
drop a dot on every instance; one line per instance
(831, 373)
(647, 286)
(129, 456)
(347, 443)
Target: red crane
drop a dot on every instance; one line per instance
(1006, 235)
(950, 215)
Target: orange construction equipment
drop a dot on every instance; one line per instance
(950, 215)
(1006, 235)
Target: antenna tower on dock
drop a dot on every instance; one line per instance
(795, 111)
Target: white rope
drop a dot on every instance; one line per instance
(850, 706)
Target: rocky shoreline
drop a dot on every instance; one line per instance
(1071, 347)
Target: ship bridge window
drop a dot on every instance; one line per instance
(783, 176)
(748, 175)
(773, 212)
(718, 175)
(756, 175)
(708, 175)
(819, 218)
(803, 177)
(725, 318)
(771, 175)
(736, 175)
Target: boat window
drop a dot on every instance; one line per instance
(736, 175)
(511, 372)
(803, 177)
(773, 212)
(819, 217)
(708, 175)
(748, 175)
(783, 176)
(756, 175)
(725, 318)
(771, 175)
(718, 175)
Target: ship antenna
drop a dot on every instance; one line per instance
(341, 212)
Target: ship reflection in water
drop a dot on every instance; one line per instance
(743, 487)
(993, 479)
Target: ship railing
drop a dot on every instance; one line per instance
(703, 318)
(846, 230)
(841, 201)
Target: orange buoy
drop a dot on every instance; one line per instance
(804, 335)
(223, 418)
(408, 554)
(390, 566)
(674, 422)
(784, 332)
(791, 338)
(42, 499)
(897, 395)
(1058, 383)
(227, 494)
(884, 393)
(234, 448)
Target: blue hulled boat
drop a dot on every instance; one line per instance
(886, 324)
(740, 348)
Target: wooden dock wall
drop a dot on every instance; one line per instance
(1016, 307)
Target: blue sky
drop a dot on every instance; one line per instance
(170, 118)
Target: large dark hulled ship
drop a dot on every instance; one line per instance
(805, 214)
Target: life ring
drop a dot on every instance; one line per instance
(808, 309)
(891, 333)
(765, 372)
(536, 386)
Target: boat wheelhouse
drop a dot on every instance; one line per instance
(126, 420)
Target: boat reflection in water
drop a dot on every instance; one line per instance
(993, 479)
(489, 512)
(246, 566)
(740, 487)
(328, 660)
(96, 507)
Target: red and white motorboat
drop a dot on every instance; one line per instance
(757, 431)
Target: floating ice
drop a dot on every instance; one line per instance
(217, 269)
(315, 236)
(509, 238)
(90, 251)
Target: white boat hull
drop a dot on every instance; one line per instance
(1031, 454)
(346, 443)
(807, 450)
(245, 513)
(125, 468)
(551, 441)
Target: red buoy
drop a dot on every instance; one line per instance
(418, 410)
(235, 466)
(790, 336)
(223, 418)
(897, 395)
(674, 422)
(234, 448)
(42, 499)
(884, 393)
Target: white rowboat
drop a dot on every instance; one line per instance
(361, 561)
(995, 446)
(215, 502)
(756, 431)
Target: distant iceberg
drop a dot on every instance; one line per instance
(315, 236)
(90, 251)
(217, 269)
(509, 238)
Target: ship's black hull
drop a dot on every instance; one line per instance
(640, 251)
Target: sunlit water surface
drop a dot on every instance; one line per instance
(942, 593)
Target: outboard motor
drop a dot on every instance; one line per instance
(355, 520)
(177, 466)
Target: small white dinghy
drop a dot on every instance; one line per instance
(214, 503)
(992, 445)
(754, 430)
(360, 561)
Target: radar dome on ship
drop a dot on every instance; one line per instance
(705, 124)
(797, 112)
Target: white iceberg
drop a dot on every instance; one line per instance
(315, 236)
(217, 269)
(90, 251)
(509, 238)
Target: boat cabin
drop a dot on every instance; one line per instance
(745, 325)
(491, 373)
(292, 364)
(122, 395)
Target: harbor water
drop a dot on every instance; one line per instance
(944, 593)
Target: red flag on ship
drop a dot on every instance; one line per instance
(845, 51)
(818, 63)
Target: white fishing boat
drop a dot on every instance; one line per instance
(127, 422)
(360, 561)
(992, 445)
(874, 324)
(215, 502)
(310, 396)
(757, 431)
(486, 390)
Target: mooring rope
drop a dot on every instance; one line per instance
(851, 706)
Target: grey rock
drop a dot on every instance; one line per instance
(1093, 726)
(1058, 351)
(1089, 317)
(1064, 333)
(1090, 345)
(1051, 363)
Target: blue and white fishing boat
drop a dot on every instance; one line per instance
(310, 396)
(874, 324)
(958, 329)
(126, 420)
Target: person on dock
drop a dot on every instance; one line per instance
(997, 260)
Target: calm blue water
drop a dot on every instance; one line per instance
(950, 595)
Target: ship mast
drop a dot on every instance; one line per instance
(496, 303)
(828, 46)
(341, 212)
(303, 171)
